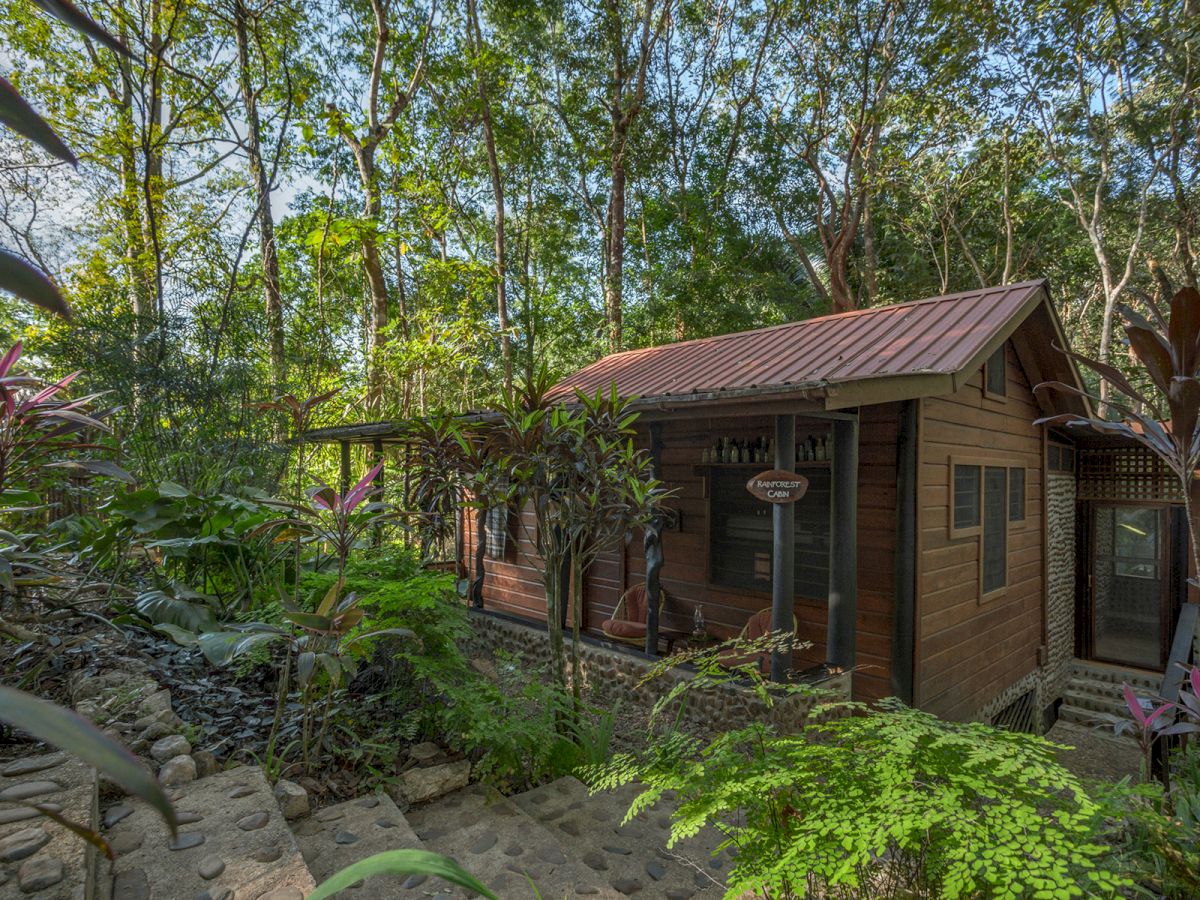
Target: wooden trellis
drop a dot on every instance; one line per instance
(1125, 473)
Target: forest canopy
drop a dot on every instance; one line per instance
(418, 202)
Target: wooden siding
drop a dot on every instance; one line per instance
(516, 586)
(968, 649)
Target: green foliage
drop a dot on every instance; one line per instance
(1154, 835)
(400, 862)
(211, 543)
(879, 801)
(524, 728)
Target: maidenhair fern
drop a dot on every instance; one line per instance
(878, 802)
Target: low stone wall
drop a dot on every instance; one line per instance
(613, 676)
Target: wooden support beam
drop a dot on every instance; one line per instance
(783, 559)
(380, 480)
(653, 547)
(344, 469)
(903, 620)
(843, 549)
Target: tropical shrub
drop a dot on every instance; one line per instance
(878, 802)
(210, 543)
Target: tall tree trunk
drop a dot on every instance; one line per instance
(475, 40)
(137, 260)
(363, 147)
(376, 282)
(272, 294)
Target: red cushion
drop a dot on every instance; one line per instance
(622, 629)
(635, 604)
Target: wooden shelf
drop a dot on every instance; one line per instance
(759, 466)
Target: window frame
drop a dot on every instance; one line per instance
(976, 532)
(1002, 353)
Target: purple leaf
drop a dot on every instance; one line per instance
(360, 490)
(13, 354)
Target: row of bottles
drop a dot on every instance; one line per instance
(762, 450)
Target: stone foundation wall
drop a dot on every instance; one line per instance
(612, 676)
(1060, 589)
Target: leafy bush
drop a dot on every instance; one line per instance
(523, 728)
(881, 801)
(1157, 833)
(209, 542)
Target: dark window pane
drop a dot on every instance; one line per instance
(995, 528)
(1054, 458)
(966, 496)
(742, 540)
(1016, 495)
(994, 373)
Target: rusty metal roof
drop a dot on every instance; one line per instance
(937, 336)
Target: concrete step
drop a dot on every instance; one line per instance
(1088, 718)
(494, 840)
(233, 842)
(1140, 680)
(633, 854)
(35, 850)
(337, 836)
(1096, 702)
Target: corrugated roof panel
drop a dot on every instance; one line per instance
(935, 335)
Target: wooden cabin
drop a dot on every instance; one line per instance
(947, 551)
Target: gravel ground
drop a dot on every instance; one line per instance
(1094, 753)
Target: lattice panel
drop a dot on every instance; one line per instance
(1127, 473)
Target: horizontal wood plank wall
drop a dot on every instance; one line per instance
(878, 431)
(512, 585)
(968, 650)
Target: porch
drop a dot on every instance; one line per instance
(723, 555)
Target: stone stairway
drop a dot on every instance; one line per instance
(1094, 694)
(235, 843)
(239, 839)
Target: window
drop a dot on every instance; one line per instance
(994, 375)
(1060, 458)
(966, 497)
(988, 498)
(741, 535)
(994, 540)
(1016, 495)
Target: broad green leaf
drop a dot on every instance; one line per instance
(71, 732)
(25, 281)
(222, 647)
(401, 862)
(20, 117)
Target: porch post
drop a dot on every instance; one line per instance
(344, 469)
(783, 559)
(379, 483)
(653, 547)
(843, 551)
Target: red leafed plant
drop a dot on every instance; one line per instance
(331, 518)
(1147, 728)
(38, 426)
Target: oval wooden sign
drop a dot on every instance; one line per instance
(777, 486)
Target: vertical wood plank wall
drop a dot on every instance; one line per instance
(969, 649)
(514, 586)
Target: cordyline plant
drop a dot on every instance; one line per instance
(589, 488)
(1149, 726)
(1165, 420)
(331, 518)
(459, 463)
(38, 428)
